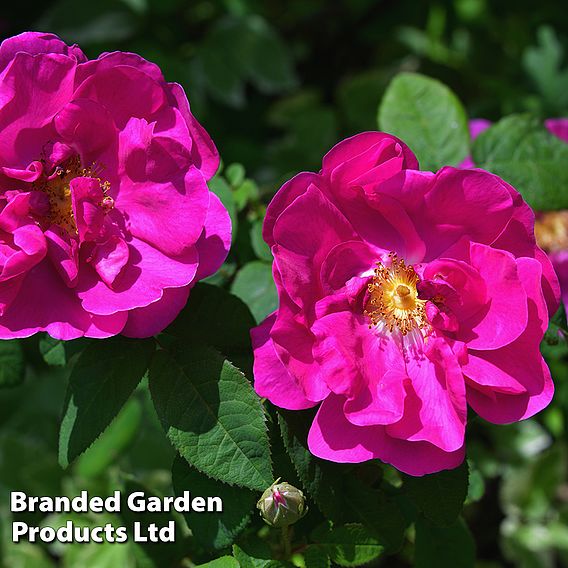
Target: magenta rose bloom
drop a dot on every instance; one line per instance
(403, 296)
(106, 220)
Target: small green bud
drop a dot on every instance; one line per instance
(282, 504)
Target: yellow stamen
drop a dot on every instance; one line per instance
(551, 230)
(58, 190)
(393, 297)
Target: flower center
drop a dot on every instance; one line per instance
(57, 186)
(551, 230)
(393, 297)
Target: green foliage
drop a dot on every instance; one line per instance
(212, 416)
(439, 496)
(12, 365)
(524, 153)
(348, 545)
(426, 115)
(255, 286)
(102, 379)
(448, 547)
(214, 530)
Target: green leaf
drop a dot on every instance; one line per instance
(112, 442)
(261, 249)
(255, 286)
(316, 557)
(222, 190)
(348, 545)
(218, 318)
(212, 416)
(213, 530)
(520, 150)
(259, 560)
(158, 553)
(102, 379)
(428, 117)
(235, 174)
(440, 496)
(12, 365)
(52, 351)
(443, 547)
(222, 562)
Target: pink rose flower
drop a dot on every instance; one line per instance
(403, 296)
(106, 220)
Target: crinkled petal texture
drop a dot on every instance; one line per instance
(106, 220)
(403, 296)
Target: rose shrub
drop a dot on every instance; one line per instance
(404, 295)
(106, 219)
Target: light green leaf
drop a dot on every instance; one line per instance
(213, 530)
(247, 560)
(261, 249)
(255, 286)
(222, 562)
(428, 117)
(102, 379)
(52, 351)
(520, 150)
(222, 190)
(212, 416)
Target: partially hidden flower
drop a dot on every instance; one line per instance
(404, 296)
(551, 228)
(106, 220)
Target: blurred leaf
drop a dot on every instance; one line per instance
(443, 547)
(440, 496)
(26, 555)
(245, 193)
(544, 64)
(105, 450)
(235, 174)
(212, 416)
(519, 149)
(218, 318)
(261, 249)
(12, 365)
(213, 530)
(255, 286)
(222, 562)
(428, 117)
(348, 545)
(159, 553)
(52, 351)
(222, 190)
(102, 379)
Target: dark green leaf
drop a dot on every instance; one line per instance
(218, 318)
(222, 562)
(12, 365)
(428, 117)
(443, 547)
(103, 378)
(520, 150)
(255, 286)
(52, 351)
(212, 416)
(260, 560)
(213, 530)
(316, 557)
(440, 496)
(222, 190)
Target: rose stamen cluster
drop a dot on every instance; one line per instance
(393, 297)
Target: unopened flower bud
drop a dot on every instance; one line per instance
(282, 504)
